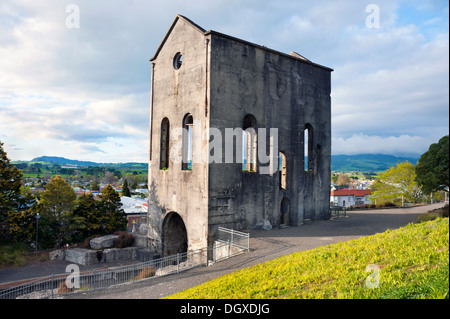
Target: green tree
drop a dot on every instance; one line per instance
(343, 179)
(95, 186)
(57, 206)
(11, 200)
(89, 212)
(111, 208)
(397, 185)
(22, 221)
(22, 225)
(432, 170)
(125, 189)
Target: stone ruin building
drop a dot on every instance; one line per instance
(205, 82)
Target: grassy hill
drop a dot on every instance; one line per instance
(411, 262)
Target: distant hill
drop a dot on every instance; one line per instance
(64, 161)
(339, 163)
(367, 162)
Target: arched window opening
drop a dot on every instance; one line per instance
(177, 61)
(164, 147)
(188, 123)
(249, 143)
(282, 169)
(308, 147)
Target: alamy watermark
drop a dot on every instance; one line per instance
(373, 280)
(73, 17)
(73, 280)
(373, 18)
(241, 146)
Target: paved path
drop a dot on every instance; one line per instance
(267, 245)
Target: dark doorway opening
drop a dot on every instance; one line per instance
(174, 235)
(284, 211)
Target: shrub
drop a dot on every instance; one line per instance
(146, 272)
(389, 204)
(433, 214)
(427, 217)
(444, 211)
(87, 241)
(125, 239)
(63, 288)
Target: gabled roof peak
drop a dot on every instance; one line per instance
(177, 17)
(195, 25)
(293, 55)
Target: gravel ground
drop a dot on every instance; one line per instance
(267, 245)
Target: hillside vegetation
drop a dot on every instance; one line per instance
(410, 262)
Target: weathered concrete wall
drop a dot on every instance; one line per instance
(221, 80)
(174, 94)
(280, 92)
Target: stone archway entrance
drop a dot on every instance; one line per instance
(174, 235)
(284, 211)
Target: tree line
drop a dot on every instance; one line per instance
(409, 183)
(63, 217)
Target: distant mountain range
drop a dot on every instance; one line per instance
(55, 160)
(340, 163)
(367, 162)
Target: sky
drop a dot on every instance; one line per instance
(75, 75)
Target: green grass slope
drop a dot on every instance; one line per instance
(411, 262)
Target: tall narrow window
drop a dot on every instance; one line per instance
(188, 123)
(282, 169)
(164, 147)
(308, 144)
(249, 142)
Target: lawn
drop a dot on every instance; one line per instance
(410, 262)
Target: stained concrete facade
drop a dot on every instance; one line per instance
(224, 83)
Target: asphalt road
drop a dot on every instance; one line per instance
(267, 245)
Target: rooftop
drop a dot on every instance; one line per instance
(293, 55)
(351, 192)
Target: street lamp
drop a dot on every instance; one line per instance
(37, 223)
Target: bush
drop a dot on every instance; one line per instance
(87, 241)
(385, 204)
(146, 272)
(125, 239)
(63, 288)
(444, 211)
(389, 204)
(433, 214)
(427, 217)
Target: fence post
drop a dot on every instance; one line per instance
(232, 233)
(178, 263)
(94, 278)
(52, 286)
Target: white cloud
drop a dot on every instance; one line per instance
(85, 93)
(366, 144)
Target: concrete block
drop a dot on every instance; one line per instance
(58, 254)
(82, 256)
(103, 242)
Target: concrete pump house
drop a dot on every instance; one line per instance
(208, 88)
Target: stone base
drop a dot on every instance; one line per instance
(84, 256)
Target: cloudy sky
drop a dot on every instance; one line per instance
(80, 88)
